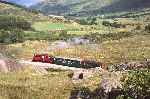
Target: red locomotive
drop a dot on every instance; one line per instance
(45, 58)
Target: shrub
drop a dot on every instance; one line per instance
(63, 35)
(138, 27)
(93, 21)
(137, 85)
(12, 36)
(83, 22)
(113, 24)
(147, 28)
(106, 23)
(88, 21)
(13, 22)
(97, 37)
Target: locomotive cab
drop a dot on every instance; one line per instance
(45, 58)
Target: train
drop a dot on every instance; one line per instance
(78, 63)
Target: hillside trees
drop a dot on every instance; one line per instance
(12, 27)
(11, 36)
(13, 22)
(113, 24)
(88, 21)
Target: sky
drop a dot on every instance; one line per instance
(25, 2)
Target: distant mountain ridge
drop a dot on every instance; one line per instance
(89, 7)
(65, 7)
(13, 9)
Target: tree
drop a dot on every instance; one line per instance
(147, 28)
(93, 21)
(13, 22)
(12, 36)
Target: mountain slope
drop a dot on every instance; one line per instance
(89, 7)
(63, 7)
(7, 8)
(126, 5)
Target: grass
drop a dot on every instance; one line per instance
(31, 35)
(78, 32)
(44, 28)
(55, 85)
(47, 26)
(25, 86)
(110, 51)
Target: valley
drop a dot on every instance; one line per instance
(115, 39)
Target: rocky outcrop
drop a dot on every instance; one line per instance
(131, 65)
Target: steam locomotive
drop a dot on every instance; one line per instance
(45, 58)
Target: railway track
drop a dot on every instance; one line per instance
(50, 66)
(76, 71)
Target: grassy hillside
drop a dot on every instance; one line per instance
(17, 21)
(16, 10)
(71, 7)
(89, 7)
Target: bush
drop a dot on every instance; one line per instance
(13, 22)
(88, 21)
(137, 85)
(147, 28)
(12, 36)
(92, 21)
(113, 24)
(97, 37)
(63, 35)
(138, 27)
(106, 23)
(83, 22)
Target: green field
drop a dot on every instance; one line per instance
(45, 26)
